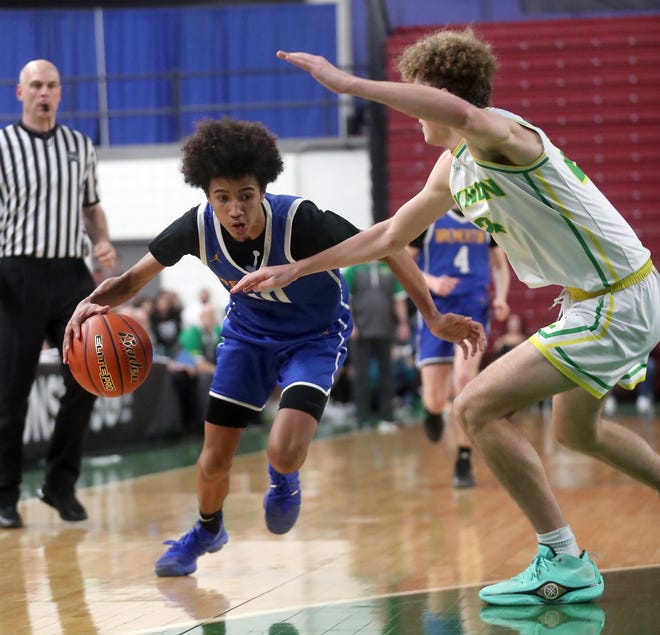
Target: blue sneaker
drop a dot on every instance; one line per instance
(181, 557)
(550, 579)
(560, 619)
(282, 501)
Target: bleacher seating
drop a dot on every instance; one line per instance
(592, 85)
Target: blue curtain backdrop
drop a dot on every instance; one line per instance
(67, 39)
(141, 56)
(167, 68)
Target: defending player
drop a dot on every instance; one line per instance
(556, 228)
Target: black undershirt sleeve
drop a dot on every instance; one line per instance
(178, 239)
(314, 230)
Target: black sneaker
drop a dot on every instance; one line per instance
(434, 426)
(10, 518)
(67, 505)
(463, 472)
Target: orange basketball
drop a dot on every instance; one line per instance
(113, 357)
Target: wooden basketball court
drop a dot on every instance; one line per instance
(383, 545)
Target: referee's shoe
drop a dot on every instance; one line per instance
(64, 501)
(10, 518)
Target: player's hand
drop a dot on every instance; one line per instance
(320, 69)
(84, 311)
(443, 285)
(461, 330)
(501, 309)
(266, 279)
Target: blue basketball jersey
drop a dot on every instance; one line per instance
(310, 306)
(455, 247)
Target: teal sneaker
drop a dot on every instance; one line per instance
(550, 579)
(282, 501)
(181, 557)
(560, 619)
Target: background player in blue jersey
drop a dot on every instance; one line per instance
(294, 338)
(457, 260)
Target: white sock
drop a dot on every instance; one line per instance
(561, 540)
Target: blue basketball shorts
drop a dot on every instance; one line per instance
(248, 369)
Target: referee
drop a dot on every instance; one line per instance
(49, 209)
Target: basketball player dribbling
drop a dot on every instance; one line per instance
(294, 338)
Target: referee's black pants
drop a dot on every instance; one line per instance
(37, 298)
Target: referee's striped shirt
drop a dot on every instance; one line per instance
(45, 180)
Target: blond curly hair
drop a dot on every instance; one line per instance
(456, 60)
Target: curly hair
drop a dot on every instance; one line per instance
(456, 60)
(230, 149)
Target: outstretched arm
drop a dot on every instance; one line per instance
(416, 100)
(489, 135)
(377, 242)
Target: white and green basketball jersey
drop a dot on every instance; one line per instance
(554, 224)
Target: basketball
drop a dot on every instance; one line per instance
(113, 356)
